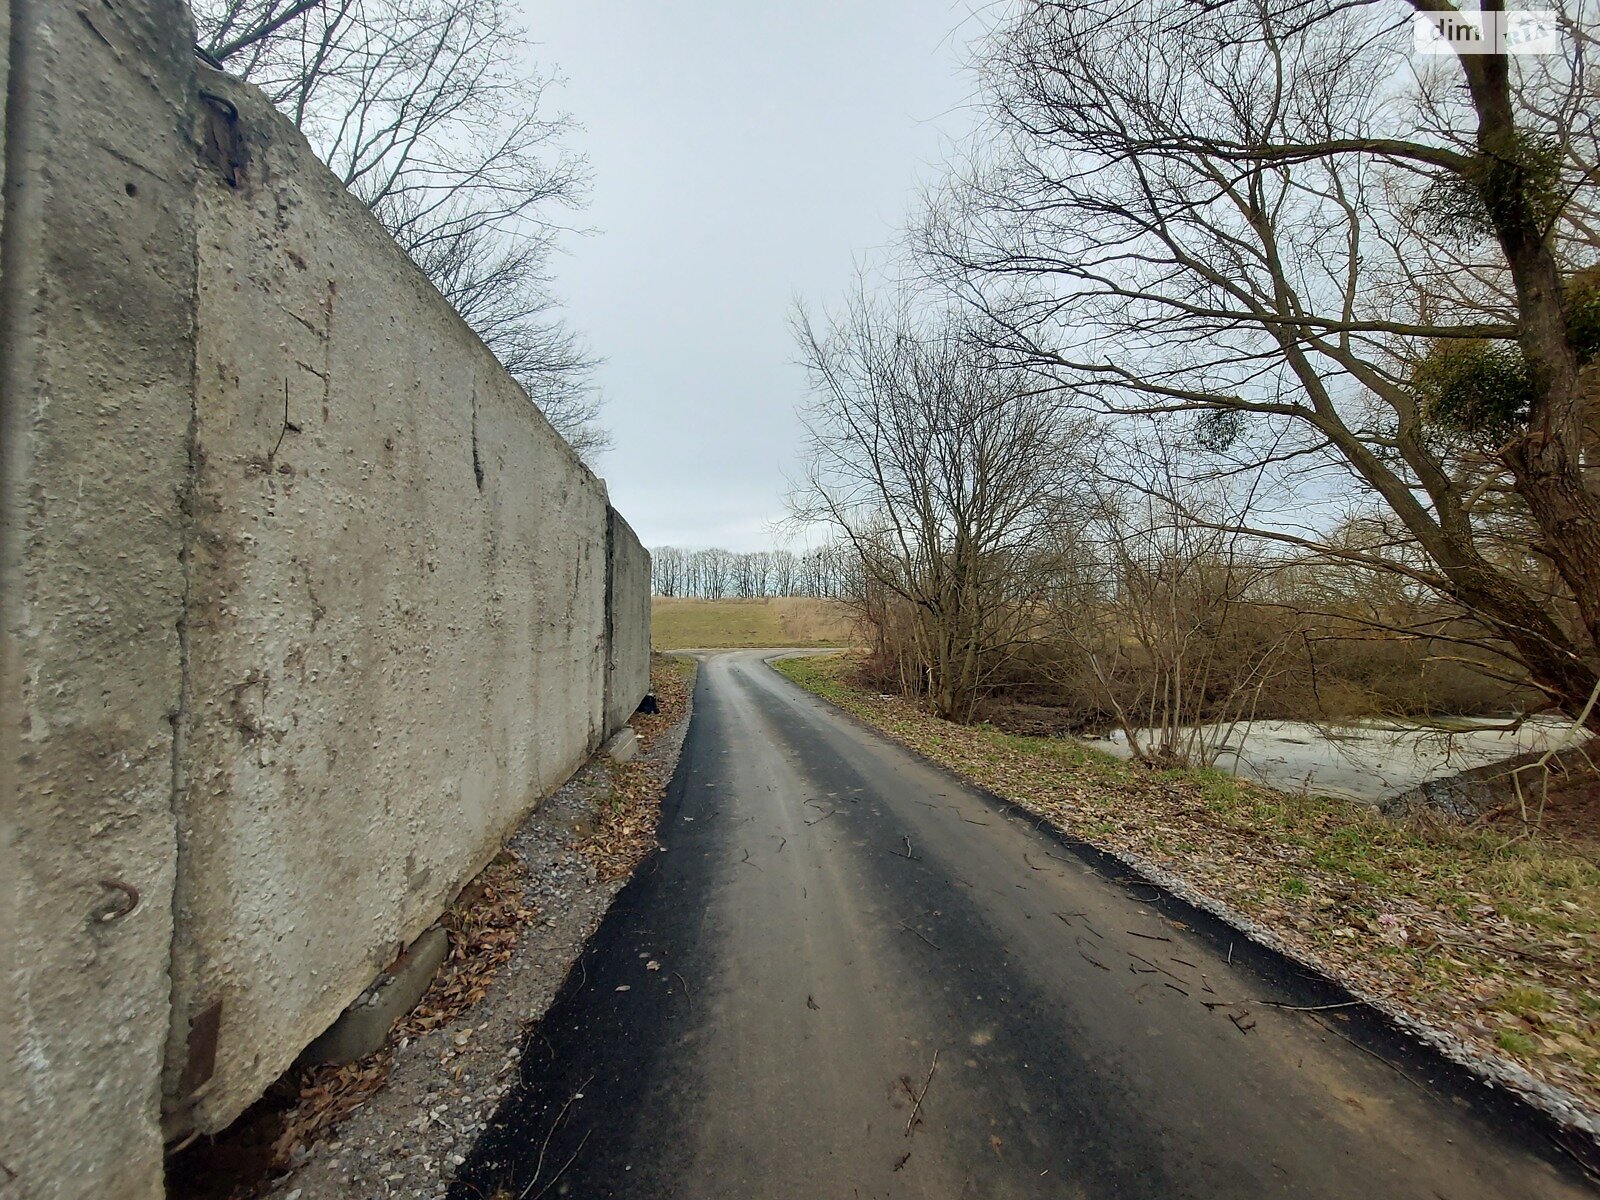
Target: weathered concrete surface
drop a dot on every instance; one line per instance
(364, 1026)
(623, 745)
(5, 96)
(628, 624)
(397, 612)
(96, 295)
(305, 605)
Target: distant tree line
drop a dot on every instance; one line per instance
(829, 572)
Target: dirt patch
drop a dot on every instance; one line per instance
(1037, 720)
(1563, 804)
(398, 1123)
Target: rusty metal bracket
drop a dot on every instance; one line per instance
(129, 902)
(224, 147)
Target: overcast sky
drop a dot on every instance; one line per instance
(745, 153)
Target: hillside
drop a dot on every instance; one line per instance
(685, 623)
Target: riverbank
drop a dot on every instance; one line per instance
(1370, 760)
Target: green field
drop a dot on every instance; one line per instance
(678, 623)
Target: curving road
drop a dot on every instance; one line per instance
(850, 976)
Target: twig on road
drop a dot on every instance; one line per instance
(907, 855)
(916, 1109)
(919, 933)
(1083, 952)
(1370, 1053)
(1308, 1007)
(561, 1172)
(538, 1168)
(823, 817)
(1084, 917)
(1156, 967)
(1150, 937)
(1281, 1004)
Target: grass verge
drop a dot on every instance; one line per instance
(1493, 937)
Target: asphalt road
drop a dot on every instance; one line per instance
(849, 976)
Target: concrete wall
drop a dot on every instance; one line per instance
(397, 612)
(96, 383)
(628, 627)
(284, 674)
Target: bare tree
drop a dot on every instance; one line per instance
(941, 472)
(709, 574)
(666, 566)
(744, 576)
(423, 109)
(784, 569)
(1161, 616)
(1365, 271)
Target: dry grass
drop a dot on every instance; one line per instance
(681, 623)
(1491, 935)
